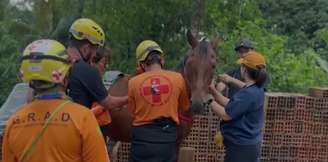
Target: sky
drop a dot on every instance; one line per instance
(22, 4)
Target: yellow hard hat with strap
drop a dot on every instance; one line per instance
(145, 48)
(44, 60)
(84, 28)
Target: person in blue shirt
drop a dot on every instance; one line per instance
(243, 114)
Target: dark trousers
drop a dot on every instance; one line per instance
(242, 153)
(154, 142)
(109, 142)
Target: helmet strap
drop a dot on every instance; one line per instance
(142, 67)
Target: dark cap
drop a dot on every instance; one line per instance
(244, 43)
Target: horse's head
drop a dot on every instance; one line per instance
(199, 68)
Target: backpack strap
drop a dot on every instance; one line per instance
(30, 149)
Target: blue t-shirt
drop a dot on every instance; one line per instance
(247, 113)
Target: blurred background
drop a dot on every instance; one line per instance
(292, 34)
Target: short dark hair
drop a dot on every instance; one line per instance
(153, 57)
(40, 86)
(259, 74)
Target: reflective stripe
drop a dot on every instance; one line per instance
(41, 56)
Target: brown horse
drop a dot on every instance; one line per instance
(197, 68)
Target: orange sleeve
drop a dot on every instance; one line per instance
(7, 154)
(184, 101)
(97, 109)
(93, 144)
(131, 100)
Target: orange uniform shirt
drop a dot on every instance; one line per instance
(157, 94)
(73, 134)
(102, 115)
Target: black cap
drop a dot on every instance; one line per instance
(244, 43)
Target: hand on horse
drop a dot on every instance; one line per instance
(218, 97)
(212, 88)
(225, 78)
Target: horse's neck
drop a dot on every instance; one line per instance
(120, 87)
(181, 65)
(180, 69)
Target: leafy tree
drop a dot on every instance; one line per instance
(290, 72)
(296, 56)
(298, 19)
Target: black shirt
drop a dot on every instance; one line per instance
(85, 85)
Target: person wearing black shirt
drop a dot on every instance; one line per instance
(85, 85)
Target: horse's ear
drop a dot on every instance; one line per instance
(214, 42)
(191, 39)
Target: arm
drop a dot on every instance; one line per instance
(111, 102)
(93, 83)
(220, 111)
(218, 97)
(93, 144)
(225, 78)
(237, 83)
(221, 86)
(97, 110)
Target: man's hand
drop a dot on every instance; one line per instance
(111, 102)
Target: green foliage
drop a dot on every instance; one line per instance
(8, 64)
(291, 45)
(127, 23)
(289, 71)
(298, 19)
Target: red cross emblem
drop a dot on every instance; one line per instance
(156, 90)
(56, 75)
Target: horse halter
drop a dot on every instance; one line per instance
(207, 103)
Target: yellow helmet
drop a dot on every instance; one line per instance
(145, 47)
(44, 60)
(84, 28)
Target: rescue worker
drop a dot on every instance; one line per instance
(85, 84)
(51, 127)
(100, 61)
(243, 114)
(155, 97)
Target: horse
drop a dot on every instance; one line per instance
(198, 71)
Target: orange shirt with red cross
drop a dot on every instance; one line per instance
(157, 94)
(73, 135)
